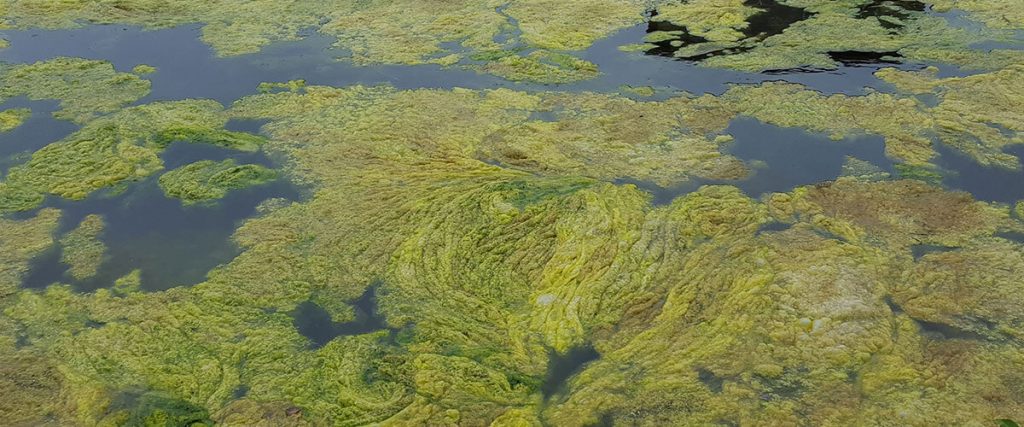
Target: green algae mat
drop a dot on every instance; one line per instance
(511, 212)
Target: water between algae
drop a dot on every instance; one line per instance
(177, 245)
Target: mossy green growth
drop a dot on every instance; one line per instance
(142, 69)
(207, 180)
(10, 119)
(20, 241)
(1007, 14)
(85, 88)
(490, 247)
(116, 149)
(826, 27)
(975, 114)
(386, 32)
(83, 251)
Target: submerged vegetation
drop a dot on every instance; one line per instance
(496, 257)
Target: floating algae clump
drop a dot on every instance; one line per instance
(976, 114)
(20, 241)
(85, 87)
(996, 14)
(83, 251)
(144, 69)
(388, 32)
(114, 149)
(815, 34)
(485, 262)
(10, 119)
(208, 180)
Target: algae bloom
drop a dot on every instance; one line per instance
(511, 213)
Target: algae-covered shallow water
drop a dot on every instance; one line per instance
(512, 213)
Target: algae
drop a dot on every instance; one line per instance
(483, 269)
(390, 32)
(83, 251)
(86, 88)
(114, 149)
(820, 35)
(207, 180)
(12, 118)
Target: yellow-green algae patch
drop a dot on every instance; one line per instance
(380, 32)
(699, 313)
(825, 30)
(12, 118)
(208, 180)
(995, 13)
(144, 69)
(20, 241)
(976, 114)
(85, 88)
(83, 250)
(114, 149)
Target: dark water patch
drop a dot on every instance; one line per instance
(944, 331)
(889, 10)
(774, 19)
(669, 46)
(181, 153)
(240, 392)
(774, 226)
(792, 157)
(710, 380)
(563, 366)
(986, 183)
(46, 269)
(252, 126)
(1013, 236)
(637, 69)
(781, 159)
(39, 130)
(170, 243)
(893, 305)
(316, 324)
(663, 195)
(919, 251)
(853, 58)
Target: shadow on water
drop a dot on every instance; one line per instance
(781, 158)
(561, 367)
(170, 243)
(37, 131)
(316, 324)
